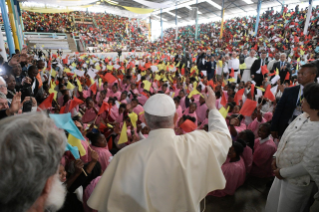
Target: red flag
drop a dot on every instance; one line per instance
(75, 102)
(183, 71)
(65, 60)
(232, 73)
(93, 88)
(264, 70)
(102, 127)
(252, 90)
(110, 143)
(211, 83)
(223, 101)
(109, 78)
(47, 102)
(239, 95)
(62, 109)
(268, 94)
(188, 126)
(248, 107)
(287, 76)
(104, 107)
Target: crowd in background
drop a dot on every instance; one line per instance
(262, 84)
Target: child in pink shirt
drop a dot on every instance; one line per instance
(91, 111)
(264, 150)
(191, 111)
(99, 144)
(233, 170)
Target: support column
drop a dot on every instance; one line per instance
(258, 15)
(305, 31)
(2, 46)
(162, 24)
(13, 26)
(14, 12)
(196, 22)
(222, 25)
(18, 18)
(176, 27)
(7, 27)
(150, 30)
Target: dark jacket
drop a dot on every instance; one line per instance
(199, 62)
(284, 109)
(282, 73)
(182, 61)
(258, 78)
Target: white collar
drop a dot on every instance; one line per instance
(264, 140)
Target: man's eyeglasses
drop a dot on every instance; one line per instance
(3, 86)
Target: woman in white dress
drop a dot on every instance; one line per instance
(249, 62)
(296, 161)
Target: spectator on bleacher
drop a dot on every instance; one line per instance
(255, 69)
(283, 67)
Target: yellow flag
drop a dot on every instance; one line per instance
(92, 81)
(51, 90)
(232, 80)
(70, 86)
(194, 91)
(262, 89)
(109, 67)
(100, 82)
(242, 66)
(67, 70)
(79, 85)
(73, 64)
(123, 137)
(302, 52)
(147, 85)
(223, 111)
(76, 142)
(109, 125)
(133, 117)
(157, 77)
(173, 94)
(277, 71)
(141, 113)
(53, 73)
(98, 67)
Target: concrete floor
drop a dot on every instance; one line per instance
(250, 197)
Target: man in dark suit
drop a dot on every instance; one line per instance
(255, 69)
(283, 67)
(30, 83)
(201, 61)
(289, 105)
(180, 58)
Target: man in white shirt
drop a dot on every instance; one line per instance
(233, 63)
(165, 172)
(271, 63)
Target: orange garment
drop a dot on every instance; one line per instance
(39, 80)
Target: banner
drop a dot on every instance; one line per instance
(155, 5)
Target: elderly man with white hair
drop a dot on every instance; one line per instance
(166, 172)
(3, 102)
(233, 63)
(29, 179)
(249, 62)
(3, 86)
(283, 67)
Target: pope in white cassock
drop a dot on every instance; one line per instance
(165, 172)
